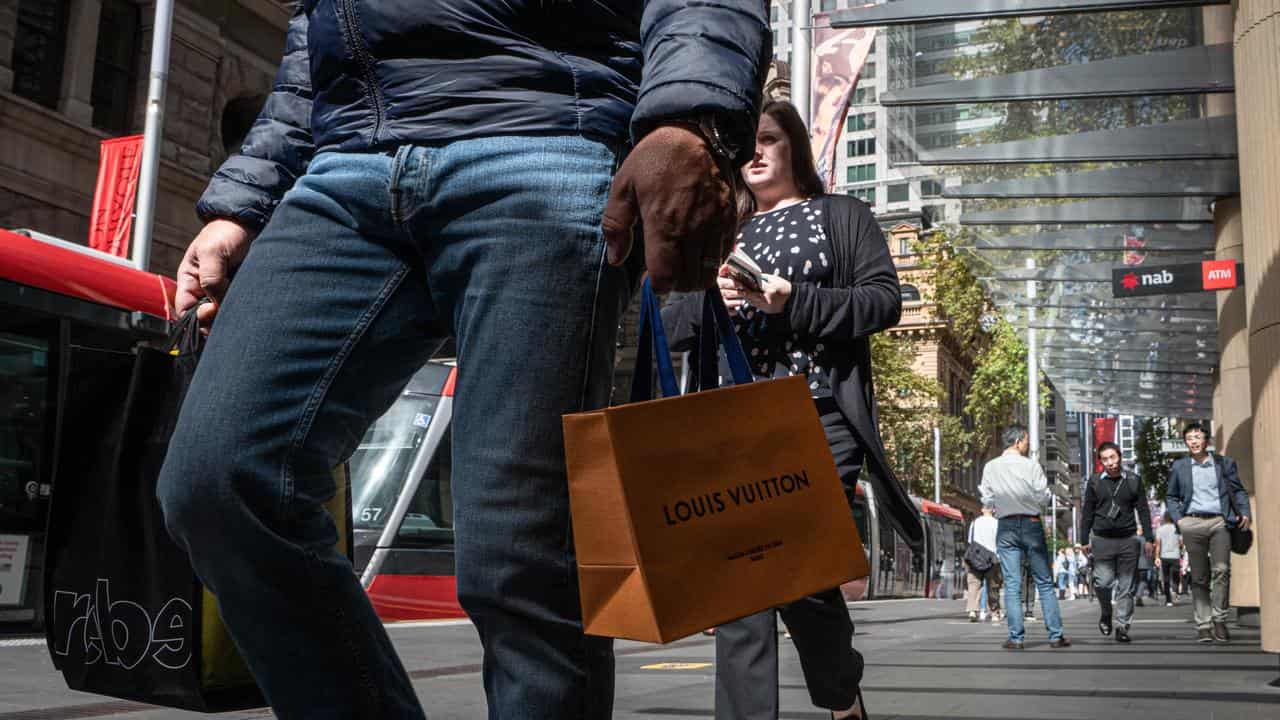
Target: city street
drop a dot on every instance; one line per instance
(924, 661)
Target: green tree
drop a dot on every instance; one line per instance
(909, 408)
(1151, 461)
(999, 382)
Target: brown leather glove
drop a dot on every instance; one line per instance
(684, 200)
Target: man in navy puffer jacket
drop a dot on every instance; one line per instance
(470, 168)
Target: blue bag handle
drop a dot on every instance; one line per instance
(713, 306)
(653, 342)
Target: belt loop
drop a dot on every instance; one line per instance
(393, 183)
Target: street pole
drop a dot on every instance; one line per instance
(148, 180)
(1033, 396)
(937, 465)
(1033, 372)
(801, 27)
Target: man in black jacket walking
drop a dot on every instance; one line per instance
(1110, 500)
(424, 170)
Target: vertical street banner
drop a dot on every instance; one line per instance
(112, 218)
(838, 59)
(1104, 430)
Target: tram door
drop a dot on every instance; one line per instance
(402, 502)
(26, 435)
(32, 346)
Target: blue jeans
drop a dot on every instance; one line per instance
(370, 262)
(1016, 537)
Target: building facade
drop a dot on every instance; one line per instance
(74, 73)
(939, 355)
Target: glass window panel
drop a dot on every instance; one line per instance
(113, 70)
(899, 193)
(24, 396)
(429, 520)
(38, 48)
(380, 465)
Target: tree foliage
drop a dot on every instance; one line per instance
(999, 382)
(909, 408)
(1016, 45)
(911, 404)
(1150, 460)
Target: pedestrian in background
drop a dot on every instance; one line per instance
(1072, 569)
(1169, 556)
(829, 284)
(1062, 572)
(424, 171)
(1016, 486)
(1111, 500)
(1083, 575)
(982, 566)
(1144, 587)
(1184, 565)
(1206, 499)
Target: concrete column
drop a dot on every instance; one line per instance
(75, 98)
(8, 29)
(1232, 404)
(1257, 51)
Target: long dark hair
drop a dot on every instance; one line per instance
(803, 169)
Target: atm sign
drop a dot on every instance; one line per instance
(1220, 274)
(1206, 276)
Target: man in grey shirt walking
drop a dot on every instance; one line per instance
(1016, 486)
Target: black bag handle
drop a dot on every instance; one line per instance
(184, 336)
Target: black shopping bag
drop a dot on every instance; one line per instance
(126, 615)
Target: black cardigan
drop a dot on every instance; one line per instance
(865, 299)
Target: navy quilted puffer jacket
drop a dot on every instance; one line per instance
(362, 75)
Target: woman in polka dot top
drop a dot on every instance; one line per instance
(828, 284)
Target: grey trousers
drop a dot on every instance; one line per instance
(747, 658)
(1208, 544)
(1115, 566)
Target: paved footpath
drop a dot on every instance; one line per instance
(924, 662)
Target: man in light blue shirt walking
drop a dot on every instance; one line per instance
(1016, 486)
(1206, 500)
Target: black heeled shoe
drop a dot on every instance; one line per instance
(862, 708)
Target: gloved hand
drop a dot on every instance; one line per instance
(684, 199)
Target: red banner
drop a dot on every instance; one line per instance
(112, 217)
(1104, 430)
(838, 58)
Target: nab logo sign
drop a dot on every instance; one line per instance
(1131, 281)
(1219, 274)
(1204, 276)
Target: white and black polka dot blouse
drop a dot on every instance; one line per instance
(792, 244)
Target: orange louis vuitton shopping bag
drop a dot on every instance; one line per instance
(691, 511)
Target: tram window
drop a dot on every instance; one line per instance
(860, 521)
(380, 465)
(24, 396)
(429, 520)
